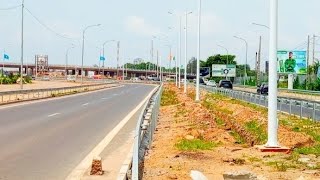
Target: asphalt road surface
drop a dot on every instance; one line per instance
(47, 140)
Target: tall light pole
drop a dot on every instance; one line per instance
(83, 33)
(245, 66)
(227, 56)
(227, 52)
(198, 59)
(262, 25)
(258, 63)
(104, 55)
(22, 39)
(273, 91)
(67, 52)
(186, 53)
(179, 48)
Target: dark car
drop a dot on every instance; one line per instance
(263, 89)
(225, 84)
(200, 82)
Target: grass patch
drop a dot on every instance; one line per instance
(257, 130)
(220, 122)
(169, 97)
(309, 150)
(237, 137)
(254, 159)
(195, 145)
(281, 166)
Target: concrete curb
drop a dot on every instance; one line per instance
(126, 165)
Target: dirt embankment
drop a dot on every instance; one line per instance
(216, 136)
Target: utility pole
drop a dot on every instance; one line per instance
(180, 56)
(22, 39)
(314, 48)
(118, 58)
(157, 64)
(308, 50)
(197, 99)
(259, 62)
(152, 54)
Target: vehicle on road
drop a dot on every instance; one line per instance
(72, 78)
(182, 81)
(263, 89)
(135, 79)
(45, 78)
(211, 83)
(201, 81)
(225, 84)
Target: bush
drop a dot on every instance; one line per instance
(12, 79)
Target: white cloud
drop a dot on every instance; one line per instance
(140, 26)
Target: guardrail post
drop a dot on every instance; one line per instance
(279, 105)
(314, 111)
(290, 108)
(301, 109)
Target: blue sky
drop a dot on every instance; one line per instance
(135, 22)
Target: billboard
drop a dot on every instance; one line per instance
(223, 70)
(292, 62)
(42, 65)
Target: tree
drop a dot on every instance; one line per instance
(220, 59)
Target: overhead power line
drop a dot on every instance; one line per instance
(47, 27)
(10, 8)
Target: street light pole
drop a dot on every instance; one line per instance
(198, 59)
(186, 53)
(83, 33)
(227, 53)
(179, 51)
(273, 91)
(22, 41)
(245, 66)
(262, 25)
(104, 55)
(66, 71)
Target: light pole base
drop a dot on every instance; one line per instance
(264, 148)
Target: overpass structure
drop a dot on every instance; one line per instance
(76, 70)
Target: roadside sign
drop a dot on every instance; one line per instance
(223, 70)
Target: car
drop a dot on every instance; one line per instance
(225, 84)
(263, 89)
(211, 83)
(45, 78)
(201, 81)
(182, 81)
(134, 79)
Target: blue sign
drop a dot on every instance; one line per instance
(102, 58)
(6, 56)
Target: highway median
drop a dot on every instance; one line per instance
(218, 136)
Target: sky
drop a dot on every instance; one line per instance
(134, 23)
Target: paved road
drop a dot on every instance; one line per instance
(46, 140)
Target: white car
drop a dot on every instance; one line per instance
(212, 83)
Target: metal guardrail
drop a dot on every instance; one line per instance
(307, 92)
(300, 108)
(145, 128)
(33, 94)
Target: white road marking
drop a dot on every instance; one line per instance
(79, 171)
(106, 98)
(85, 104)
(51, 115)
